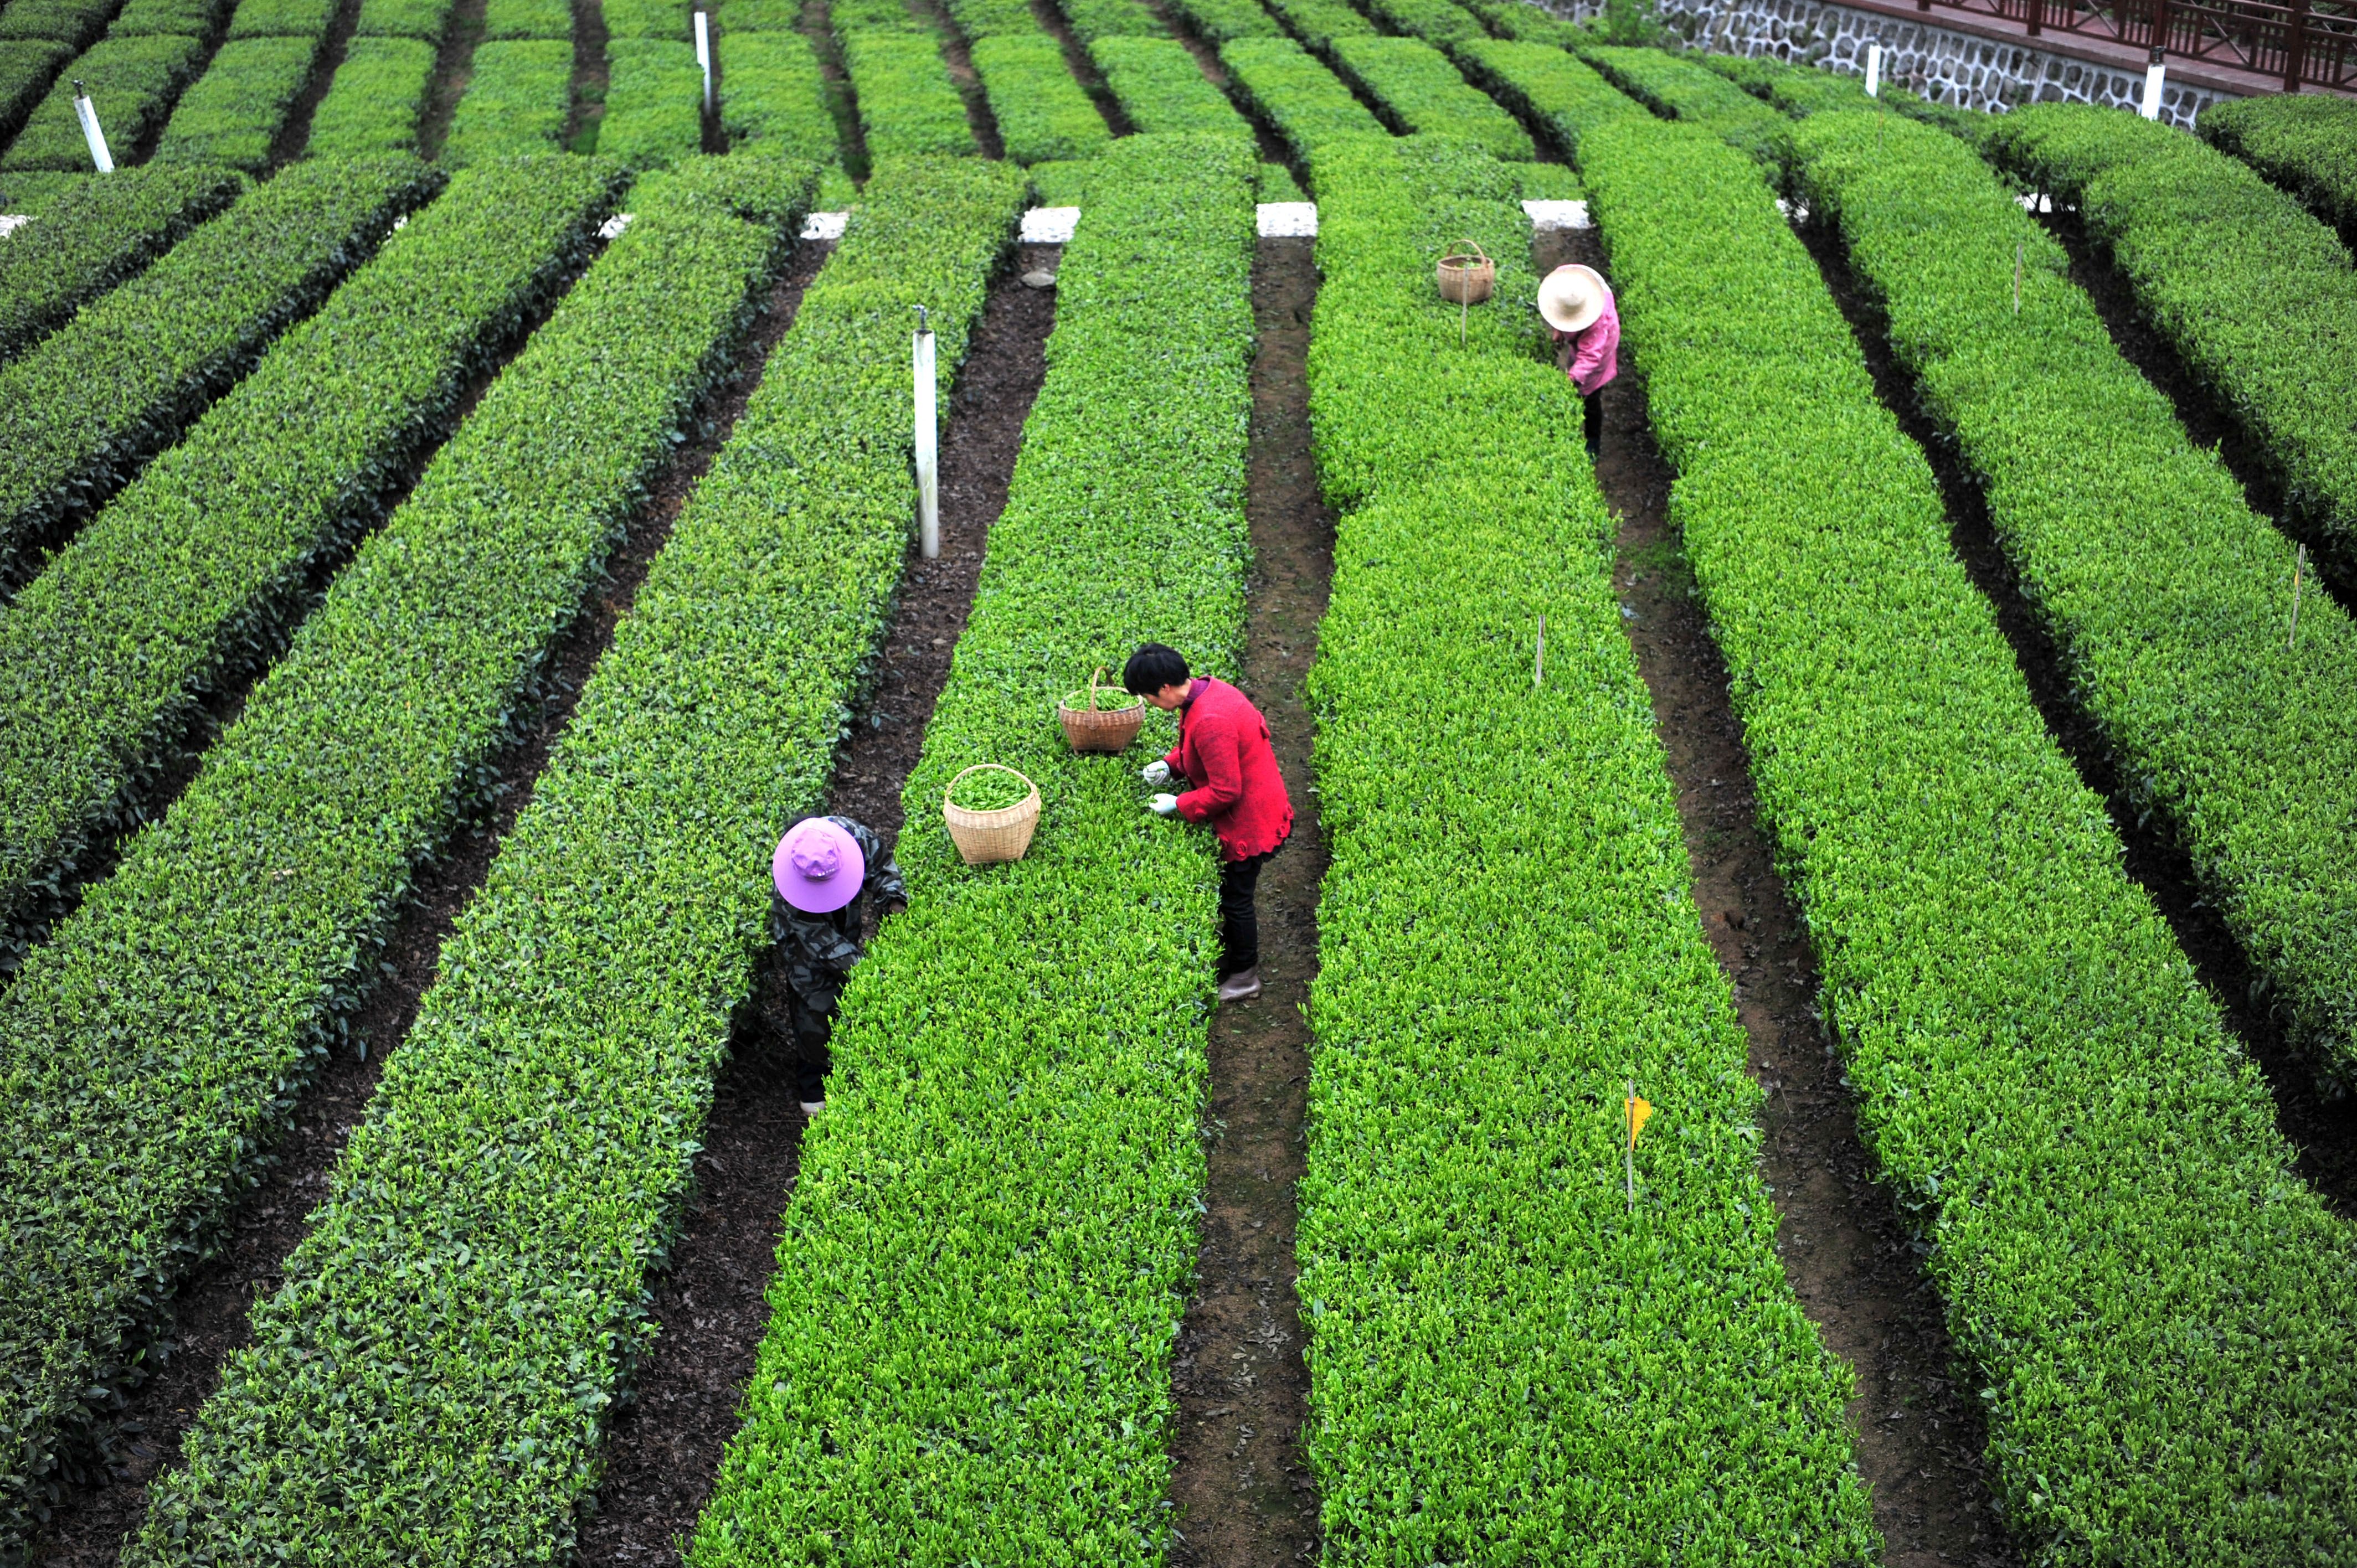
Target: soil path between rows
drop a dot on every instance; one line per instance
(664, 1451)
(2321, 1129)
(453, 69)
(1919, 1430)
(1241, 1477)
(295, 131)
(209, 1315)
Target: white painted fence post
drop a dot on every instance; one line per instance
(703, 56)
(1874, 70)
(928, 432)
(87, 113)
(2154, 75)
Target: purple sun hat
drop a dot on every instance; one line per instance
(818, 867)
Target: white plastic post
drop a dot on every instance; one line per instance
(87, 113)
(1874, 70)
(703, 56)
(929, 468)
(2154, 74)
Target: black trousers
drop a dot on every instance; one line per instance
(1239, 920)
(1591, 419)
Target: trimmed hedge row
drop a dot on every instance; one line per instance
(1425, 93)
(190, 19)
(1303, 101)
(2158, 1305)
(527, 19)
(89, 237)
(195, 573)
(516, 103)
(1318, 23)
(977, 19)
(654, 103)
(1218, 21)
(992, 1236)
(133, 81)
(2305, 144)
(235, 111)
(74, 22)
(427, 19)
(848, 17)
(1803, 89)
(773, 94)
(376, 99)
(1558, 92)
(2256, 295)
(2175, 629)
(1435, 21)
(1505, 1357)
(1676, 86)
(1094, 19)
(907, 106)
(79, 415)
(664, 19)
(1524, 23)
(1041, 111)
(479, 1269)
(27, 65)
(280, 18)
(167, 1028)
(1161, 88)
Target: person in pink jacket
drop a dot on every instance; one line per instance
(1578, 303)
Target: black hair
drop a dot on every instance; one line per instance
(1153, 667)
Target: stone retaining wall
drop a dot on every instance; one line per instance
(1943, 65)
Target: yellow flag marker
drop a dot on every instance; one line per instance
(1639, 1111)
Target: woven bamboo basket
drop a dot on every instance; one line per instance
(985, 838)
(1099, 729)
(1466, 274)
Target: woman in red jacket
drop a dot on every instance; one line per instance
(1223, 750)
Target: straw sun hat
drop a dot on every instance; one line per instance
(1572, 296)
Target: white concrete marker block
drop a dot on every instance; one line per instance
(1051, 225)
(1556, 214)
(12, 222)
(2039, 203)
(612, 227)
(825, 225)
(1792, 213)
(1288, 220)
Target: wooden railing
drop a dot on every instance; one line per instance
(2301, 42)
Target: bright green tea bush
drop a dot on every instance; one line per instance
(1804, 90)
(195, 573)
(1305, 103)
(1555, 90)
(907, 106)
(1276, 183)
(773, 95)
(2175, 630)
(1318, 23)
(1434, 21)
(655, 104)
(74, 22)
(1040, 110)
(527, 19)
(279, 19)
(235, 111)
(404, 19)
(81, 414)
(94, 235)
(1509, 1363)
(376, 100)
(521, 1166)
(1680, 87)
(1524, 23)
(849, 17)
(2155, 1306)
(966, 1367)
(1424, 93)
(516, 103)
(2256, 295)
(992, 18)
(1160, 88)
(255, 910)
(2303, 143)
(134, 82)
(1094, 19)
(190, 19)
(667, 20)
(1217, 21)
(27, 65)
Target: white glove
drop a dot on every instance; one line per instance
(1156, 773)
(1164, 805)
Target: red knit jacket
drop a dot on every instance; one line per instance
(1223, 750)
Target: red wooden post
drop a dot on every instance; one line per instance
(2295, 46)
(2037, 15)
(2160, 29)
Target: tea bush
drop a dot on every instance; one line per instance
(166, 1027)
(907, 106)
(27, 65)
(773, 95)
(195, 573)
(1558, 92)
(1094, 19)
(1318, 23)
(235, 111)
(527, 19)
(1217, 21)
(74, 22)
(516, 105)
(2303, 143)
(1425, 93)
(520, 1169)
(427, 19)
(1160, 88)
(1303, 101)
(376, 100)
(2151, 1297)
(1040, 110)
(992, 1235)
(89, 237)
(132, 80)
(654, 103)
(81, 412)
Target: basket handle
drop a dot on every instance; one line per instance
(1457, 256)
(981, 767)
(1094, 676)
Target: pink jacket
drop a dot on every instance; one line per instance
(1591, 356)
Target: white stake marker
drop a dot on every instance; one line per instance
(1874, 70)
(1538, 661)
(87, 113)
(703, 56)
(2154, 75)
(929, 467)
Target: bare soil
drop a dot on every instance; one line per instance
(2322, 1129)
(962, 73)
(814, 24)
(1273, 149)
(1084, 70)
(588, 110)
(209, 1315)
(1241, 1477)
(665, 1446)
(288, 144)
(454, 67)
(1850, 1259)
(2204, 413)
